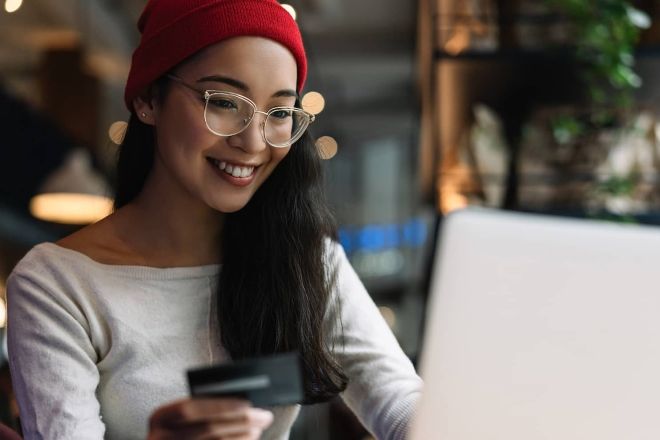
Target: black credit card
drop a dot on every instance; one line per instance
(265, 381)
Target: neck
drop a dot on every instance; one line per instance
(172, 227)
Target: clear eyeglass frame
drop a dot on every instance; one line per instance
(305, 118)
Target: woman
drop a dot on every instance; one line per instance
(220, 247)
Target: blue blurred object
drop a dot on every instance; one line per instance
(376, 238)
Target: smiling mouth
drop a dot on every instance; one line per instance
(233, 170)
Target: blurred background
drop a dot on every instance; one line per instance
(424, 107)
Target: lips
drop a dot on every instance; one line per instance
(239, 175)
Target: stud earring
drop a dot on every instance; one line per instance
(143, 114)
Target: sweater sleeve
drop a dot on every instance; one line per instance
(52, 361)
(383, 386)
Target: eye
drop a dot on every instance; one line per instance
(223, 103)
(281, 113)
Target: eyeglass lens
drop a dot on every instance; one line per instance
(228, 114)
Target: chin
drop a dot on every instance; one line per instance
(228, 208)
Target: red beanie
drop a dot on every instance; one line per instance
(173, 30)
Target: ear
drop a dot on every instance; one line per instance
(144, 108)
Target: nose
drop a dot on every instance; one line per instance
(251, 139)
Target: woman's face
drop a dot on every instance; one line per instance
(223, 172)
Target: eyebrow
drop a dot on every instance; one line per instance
(244, 87)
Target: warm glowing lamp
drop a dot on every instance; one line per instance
(73, 194)
(12, 5)
(70, 208)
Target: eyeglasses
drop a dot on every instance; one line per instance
(228, 114)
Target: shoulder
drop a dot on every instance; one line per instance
(339, 269)
(54, 282)
(44, 286)
(333, 253)
(81, 248)
(44, 258)
(64, 268)
(46, 265)
(99, 242)
(347, 290)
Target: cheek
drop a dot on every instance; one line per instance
(182, 133)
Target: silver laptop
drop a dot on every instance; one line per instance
(542, 328)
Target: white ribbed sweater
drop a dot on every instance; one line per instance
(95, 348)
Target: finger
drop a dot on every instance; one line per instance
(243, 415)
(195, 410)
(252, 420)
(259, 418)
(215, 430)
(254, 434)
(247, 419)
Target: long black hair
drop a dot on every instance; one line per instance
(276, 284)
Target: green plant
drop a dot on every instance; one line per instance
(605, 33)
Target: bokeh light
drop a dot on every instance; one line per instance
(117, 131)
(327, 147)
(12, 5)
(313, 102)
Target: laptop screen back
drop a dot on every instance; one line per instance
(542, 328)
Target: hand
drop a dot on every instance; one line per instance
(208, 419)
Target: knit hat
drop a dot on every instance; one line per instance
(173, 30)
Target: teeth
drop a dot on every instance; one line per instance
(234, 170)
